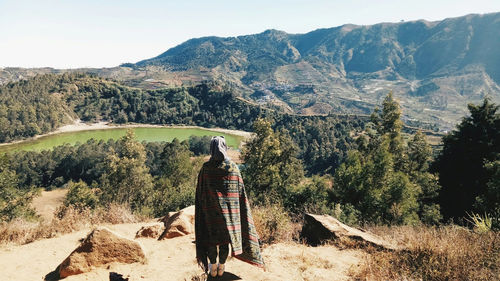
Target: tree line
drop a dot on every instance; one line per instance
(323, 140)
(388, 177)
(356, 169)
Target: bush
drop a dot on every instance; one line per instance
(168, 198)
(311, 197)
(66, 219)
(80, 196)
(274, 224)
(199, 145)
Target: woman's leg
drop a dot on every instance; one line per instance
(212, 254)
(223, 253)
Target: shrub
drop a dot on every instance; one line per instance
(274, 224)
(67, 219)
(312, 196)
(80, 196)
(199, 145)
(168, 198)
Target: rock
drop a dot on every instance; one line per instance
(320, 228)
(178, 223)
(100, 248)
(151, 231)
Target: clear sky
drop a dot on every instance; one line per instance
(105, 33)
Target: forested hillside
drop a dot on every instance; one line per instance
(55, 99)
(380, 174)
(31, 107)
(434, 68)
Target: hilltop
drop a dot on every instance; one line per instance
(434, 68)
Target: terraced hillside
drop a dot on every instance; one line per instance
(433, 68)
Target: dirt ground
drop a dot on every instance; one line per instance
(48, 201)
(174, 259)
(171, 259)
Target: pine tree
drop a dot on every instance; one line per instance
(388, 122)
(419, 159)
(127, 179)
(385, 181)
(176, 162)
(461, 163)
(270, 162)
(14, 202)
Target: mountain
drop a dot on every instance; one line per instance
(433, 68)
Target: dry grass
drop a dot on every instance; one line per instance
(444, 253)
(306, 260)
(274, 224)
(66, 220)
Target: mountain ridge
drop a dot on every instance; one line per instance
(434, 68)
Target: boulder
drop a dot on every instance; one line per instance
(150, 231)
(178, 223)
(321, 228)
(101, 247)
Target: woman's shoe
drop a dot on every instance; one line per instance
(213, 270)
(220, 271)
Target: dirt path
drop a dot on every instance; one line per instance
(173, 259)
(48, 202)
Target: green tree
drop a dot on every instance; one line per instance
(80, 195)
(127, 179)
(388, 122)
(14, 202)
(370, 184)
(491, 199)
(386, 181)
(175, 186)
(271, 165)
(176, 162)
(461, 165)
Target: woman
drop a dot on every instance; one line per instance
(222, 214)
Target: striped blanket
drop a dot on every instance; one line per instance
(222, 214)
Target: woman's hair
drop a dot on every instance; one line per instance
(218, 148)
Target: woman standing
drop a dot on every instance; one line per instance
(222, 214)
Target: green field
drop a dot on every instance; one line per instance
(142, 134)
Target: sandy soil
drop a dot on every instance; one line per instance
(48, 201)
(173, 259)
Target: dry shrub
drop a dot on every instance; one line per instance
(274, 224)
(66, 220)
(305, 261)
(444, 253)
(116, 214)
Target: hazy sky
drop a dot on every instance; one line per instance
(105, 33)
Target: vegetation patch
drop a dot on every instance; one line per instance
(434, 253)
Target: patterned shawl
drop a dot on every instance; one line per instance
(222, 214)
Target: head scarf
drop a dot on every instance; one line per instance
(218, 149)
